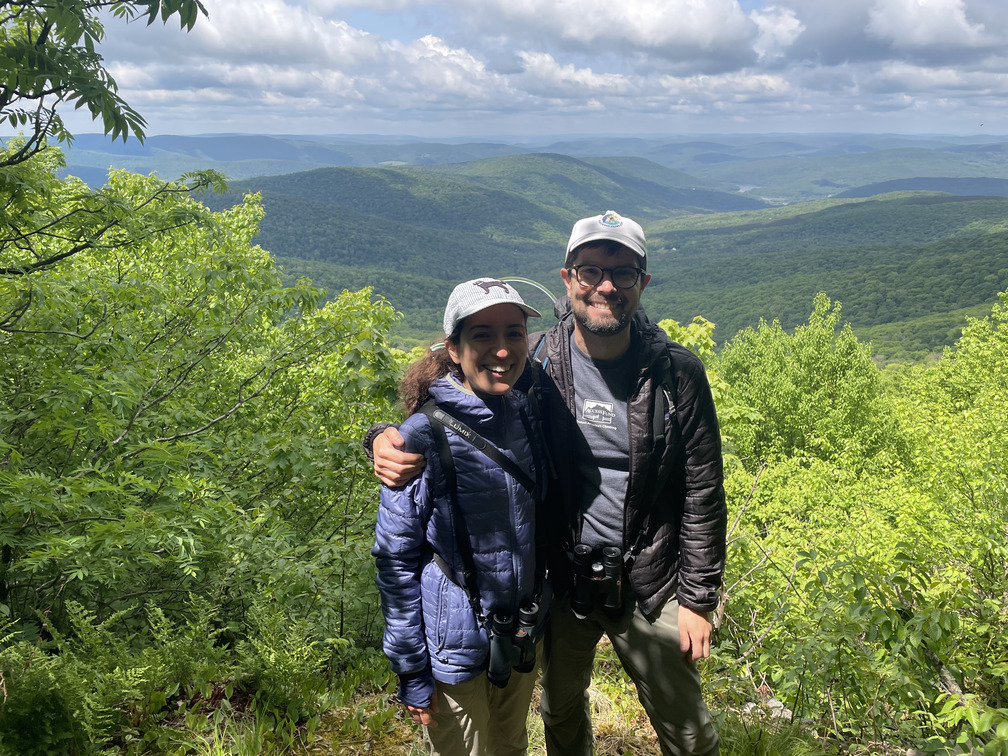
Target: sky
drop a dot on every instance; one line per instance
(522, 68)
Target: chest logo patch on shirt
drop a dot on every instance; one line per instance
(598, 413)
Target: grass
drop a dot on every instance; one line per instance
(620, 724)
(614, 736)
(368, 725)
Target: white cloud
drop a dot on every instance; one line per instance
(642, 23)
(679, 30)
(272, 30)
(917, 24)
(937, 82)
(729, 88)
(544, 76)
(499, 65)
(432, 69)
(778, 29)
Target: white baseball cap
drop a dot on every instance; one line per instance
(471, 297)
(612, 226)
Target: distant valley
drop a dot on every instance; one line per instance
(909, 234)
(780, 168)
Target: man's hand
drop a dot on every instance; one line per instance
(392, 465)
(694, 633)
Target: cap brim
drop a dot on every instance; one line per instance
(530, 311)
(606, 236)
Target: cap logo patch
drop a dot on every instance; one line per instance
(611, 220)
(487, 285)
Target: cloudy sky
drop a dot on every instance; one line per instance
(529, 67)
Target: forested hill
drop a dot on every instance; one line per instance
(782, 167)
(412, 232)
(742, 227)
(979, 187)
(907, 267)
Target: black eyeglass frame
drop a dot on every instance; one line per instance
(602, 273)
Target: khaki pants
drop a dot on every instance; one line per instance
(668, 685)
(476, 718)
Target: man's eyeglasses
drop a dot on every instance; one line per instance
(622, 277)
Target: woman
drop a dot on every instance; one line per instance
(456, 546)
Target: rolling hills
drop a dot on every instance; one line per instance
(411, 232)
(891, 260)
(782, 168)
(905, 231)
(411, 229)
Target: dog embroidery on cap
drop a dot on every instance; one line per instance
(611, 219)
(487, 285)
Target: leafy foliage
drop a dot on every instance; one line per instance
(48, 57)
(159, 381)
(180, 429)
(44, 220)
(866, 580)
(815, 393)
(698, 337)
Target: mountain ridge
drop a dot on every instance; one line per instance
(782, 167)
(739, 229)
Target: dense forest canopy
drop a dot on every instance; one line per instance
(909, 267)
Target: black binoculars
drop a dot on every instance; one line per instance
(598, 581)
(512, 644)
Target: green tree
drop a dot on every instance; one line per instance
(37, 232)
(955, 410)
(173, 417)
(48, 57)
(868, 592)
(179, 434)
(814, 393)
(182, 496)
(698, 337)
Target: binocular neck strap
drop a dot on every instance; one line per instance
(467, 580)
(441, 419)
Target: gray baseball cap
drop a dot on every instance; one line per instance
(612, 226)
(473, 296)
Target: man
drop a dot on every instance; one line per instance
(632, 431)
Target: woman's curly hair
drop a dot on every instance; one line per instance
(415, 385)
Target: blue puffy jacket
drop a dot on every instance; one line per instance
(431, 632)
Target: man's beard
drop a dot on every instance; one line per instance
(610, 328)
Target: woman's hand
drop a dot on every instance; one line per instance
(422, 714)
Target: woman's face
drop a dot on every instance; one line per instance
(491, 349)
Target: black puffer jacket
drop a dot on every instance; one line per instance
(675, 517)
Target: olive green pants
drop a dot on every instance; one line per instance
(668, 685)
(476, 718)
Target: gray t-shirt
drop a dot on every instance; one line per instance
(601, 391)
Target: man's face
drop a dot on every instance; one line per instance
(603, 309)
